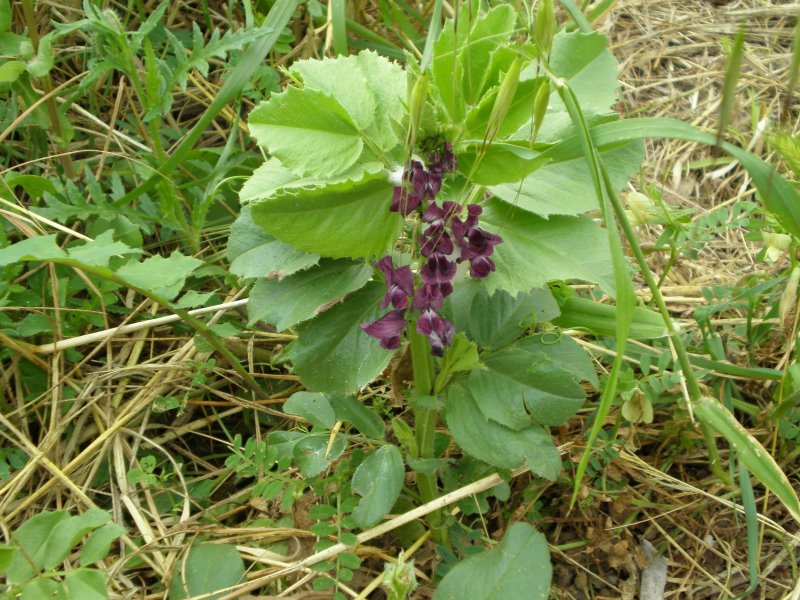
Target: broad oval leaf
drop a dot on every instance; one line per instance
(517, 387)
(309, 131)
(536, 251)
(313, 407)
(349, 219)
(289, 301)
(313, 453)
(350, 410)
(517, 569)
(498, 445)
(332, 354)
(379, 480)
(86, 584)
(494, 320)
(207, 569)
(255, 253)
(33, 536)
(567, 188)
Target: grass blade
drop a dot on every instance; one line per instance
(339, 26)
(276, 20)
(751, 453)
(735, 55)
(434, 29)
(624, 288)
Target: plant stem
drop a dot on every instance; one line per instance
(692, 385)
(29, 15)
(425, 421)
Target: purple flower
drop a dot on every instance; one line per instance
(440, 271)
(435, 239)
(387, 329)
(399, 283)
(478, 243)
(480, 267)
(475, 244)
(443, 161)
(428, 296)
(440, 331)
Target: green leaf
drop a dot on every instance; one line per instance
(563, 351)
(99, 251)
(445, 71)
(163, 276)
(68, 532)
(33, 536)
(40, 65)
(289, 301)
(312, 455)
(349, 409)
(207, 569)
(494, 320)
(342, 79)
(461, 356)
(255, 253)
(310, 132)
(40, 247)
(519, 567)
(349, 219)
(776, 193)
(489, 32)
(10, 71)
(379, 480)
(42, 587)
(519, 111)
(749, 451)
(495, 444)
(98, 544)
(86, 584)
(332, 354)
(566, 188)
(536, 251)
(387, 80)
(517, 387)
(313, 407)
(5, 15)
(590, 70)
(6, 552)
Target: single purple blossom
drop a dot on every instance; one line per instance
(475, 244)
(428, 296)
(399, 283)
(440, 331)
(480, 267)
(387, 329)
(440, 271)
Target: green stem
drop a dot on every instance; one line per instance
(425, 421)
(29, 15)
(692, 384)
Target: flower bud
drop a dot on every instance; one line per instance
(540, 104)
(504, 99)
(416, 107)
(545, 27)
(399, 579)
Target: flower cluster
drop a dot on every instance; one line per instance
(419, 184)
(445, 232)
